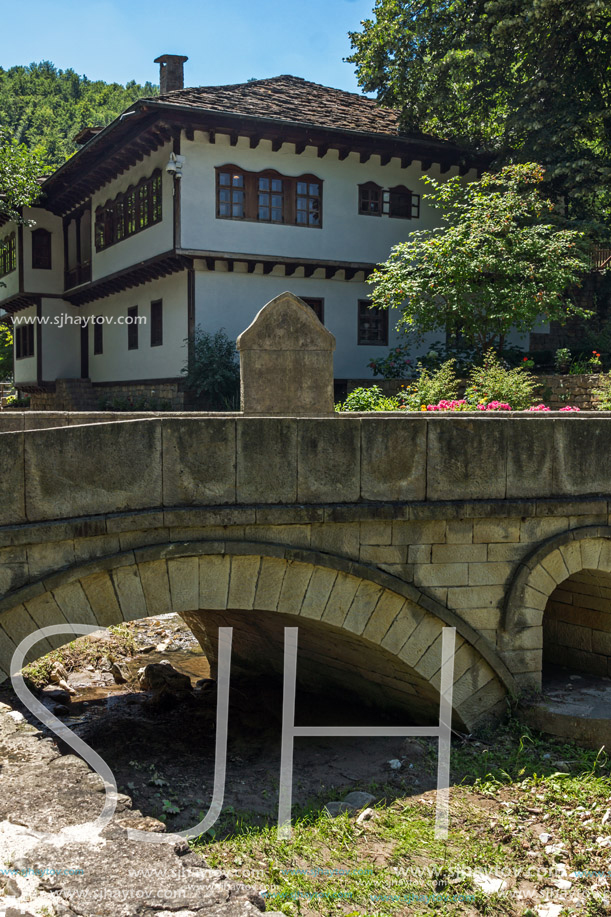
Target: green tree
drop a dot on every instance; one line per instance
(20, 171)
(501, 260)
(43, 106)
(526, 80)
(6, 353)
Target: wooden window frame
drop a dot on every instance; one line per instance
(42, 254)
(319, 308)
(24, 342)
(137, 208)
(413, 205)
(365, 189)
(157, 323)
(8, 254)
(364, 309)
(251, 196)
(98, 336)
(132, 328)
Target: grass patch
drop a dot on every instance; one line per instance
(529, 828)
(119, 642)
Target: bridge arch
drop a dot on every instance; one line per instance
(543, 583)
(374, 629)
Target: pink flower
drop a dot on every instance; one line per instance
(569, 408)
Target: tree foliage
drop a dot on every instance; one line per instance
(212, 373)
(20, 170)
(6, 353)
(43, 106)
(501, 260)
(526, 80)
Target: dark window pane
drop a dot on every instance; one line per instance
(132, 328)
(156, 323)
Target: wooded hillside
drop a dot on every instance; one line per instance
(41, 105)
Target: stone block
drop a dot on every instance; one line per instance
(590, 552)
(101, 596)
(393, 458)
(418, 642)
(49, 557)
(578, 470)
(508, 552)
(473, 680)
(601, 642)
(530, 457)
(579, 638)
(340, 538)
(318, 592)
(459, 553)
(459, 531)
(328, 460)
(129, 592)
(155, 586)
(243, 582)
(419, 553)
(266, 460)
(482, 618)
(518, 661)
(488, 701)
(555, 566)
(214, 573)
(183, 574)
(74, 604)
(540, 528)
(541, 580)
(367, 597)
(466, 458)
(99, 468)
(433, 532)
(99, 546)
(340, 599)
(44, 611)
(529, 638)
(269, 583)
(489, 574)
(386, 611)
(475, 597)
(383, 554)
(12, 506)
(18, 624)
(375, 533)
(199, 458)
(499, 531)
(297, 536)
(441, 575)
(401, 629)
(294, 586)
(286, 360)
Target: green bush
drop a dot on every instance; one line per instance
(603, 394)
(368, 399)
(16, 403)
(494, 382)
(213, 371)
(431, 386)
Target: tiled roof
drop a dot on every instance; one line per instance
(292, 99)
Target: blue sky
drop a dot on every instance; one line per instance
(227, 41)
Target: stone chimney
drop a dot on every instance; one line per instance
(171, 73)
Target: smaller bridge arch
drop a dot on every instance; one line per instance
(362, 631)
(543, 583)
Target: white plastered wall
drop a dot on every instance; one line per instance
(61, 340)
(345, 234)
(25, 368)
(47, 281)
(9, 284)
(231, 301)
(117, 363)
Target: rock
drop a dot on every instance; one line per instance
(150, 648)
(395, 764)
(11, 889)
(358, 799)
(162, 678)
(16, 716)
(17, 912)
(352, 803)
(412, 749)
(365, 815)
(119, 673)
(61, 710)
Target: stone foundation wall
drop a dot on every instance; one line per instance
(83, 395)
(166, 395)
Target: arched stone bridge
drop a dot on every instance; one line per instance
(371, 532)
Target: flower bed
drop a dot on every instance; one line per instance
(463, 405)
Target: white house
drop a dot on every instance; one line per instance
(194, 209)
